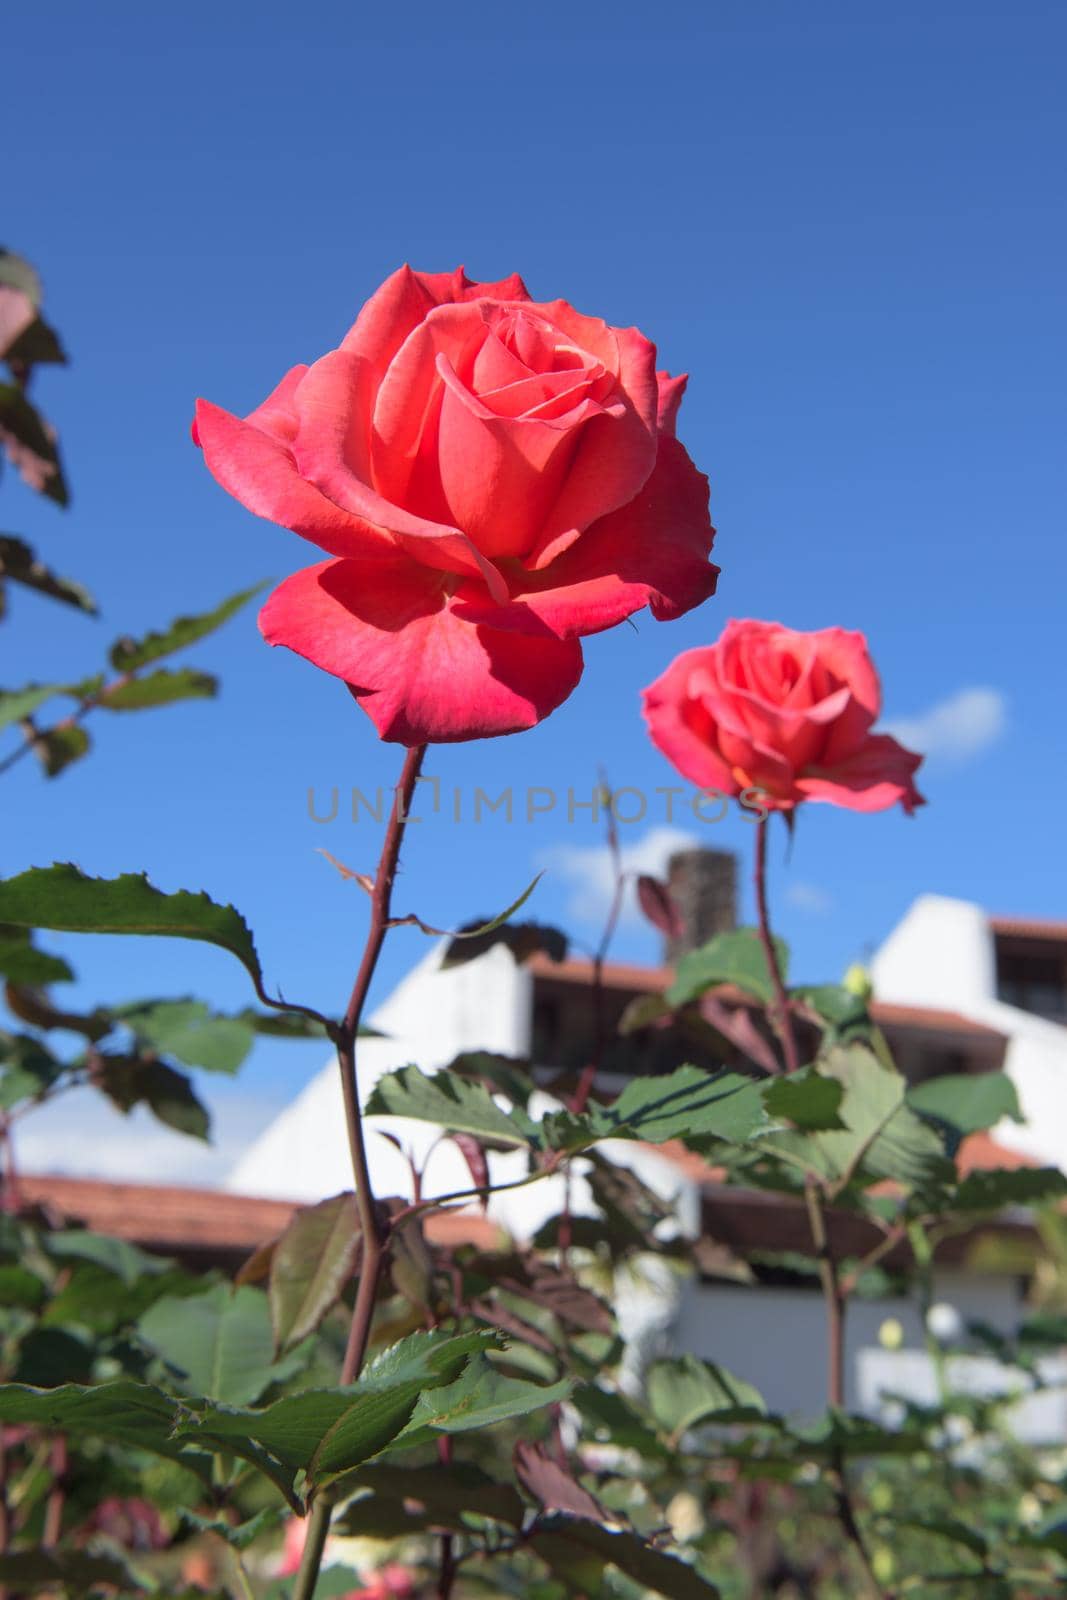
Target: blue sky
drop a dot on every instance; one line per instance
(844, 221)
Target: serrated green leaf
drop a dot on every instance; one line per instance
(685, 1392)
(134, 1414)
(880, 1133)
(480, 1397)
(327, 1432)
(127, 655)
(1009, 1186)
(62, 898)
(162, 688)
(736, 958)
(449, 1101)
(312, 1261)
(686, 1103)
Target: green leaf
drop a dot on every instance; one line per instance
(62, 898)
(736, 958)
(967, 1102)
(244, 1534)
(137, 1415)
(220, 1342)
(312, 1261)
(685, 1104)
(58, 748)
(27, 1068)
(806, 1098)
(73, 1572)
(127, 655)
(19, 562)
(480, 1397)
(189, 1030)
(117, 1256)
(15, 704)
(685, 1392)
(326, 1432)
(162, 688)
(20, 1287)
(834, 1004)
(577, 1551)
(447, 1100)
(1009, 1186)
(880, 1133)
(130, 1081)
(30, 444)
(21, 962)
(946, 1528)
(288, 1025)
(449, 1497)
(1050, 1533)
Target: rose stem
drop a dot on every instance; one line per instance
(373, 1238)
(779, 1013)
(835, 1300)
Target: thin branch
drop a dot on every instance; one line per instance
(779, 1015)
(373, 1232)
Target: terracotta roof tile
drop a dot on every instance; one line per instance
(179, 1219)
(654, 980)
(1030, 928)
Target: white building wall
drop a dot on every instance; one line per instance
(941, 954)
(776, 1338)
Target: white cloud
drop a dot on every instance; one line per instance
(809, 897)
(590, 873)
(81, 1135)
(957, 728)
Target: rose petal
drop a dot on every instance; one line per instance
(652, 552)
(419, 671)
(617, 452)
(405, 298)
(669, 399)
(333, 452)
(260, 471)
(880, 774)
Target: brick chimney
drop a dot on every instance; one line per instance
(703, 886)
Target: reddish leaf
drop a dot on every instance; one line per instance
(553, 1487)
(477, 1165)
(736, 1024)
(655, 901)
